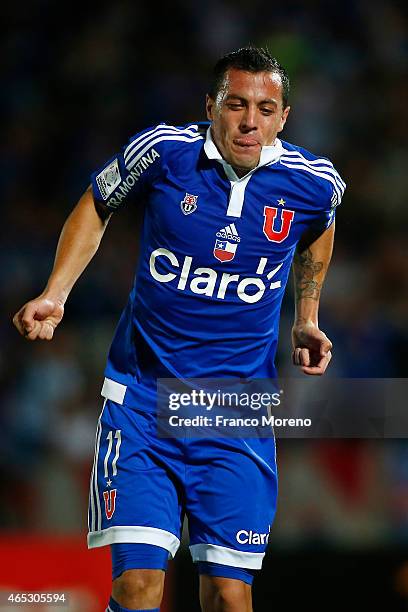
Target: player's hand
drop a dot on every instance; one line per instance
(39, 318)
(311, 349)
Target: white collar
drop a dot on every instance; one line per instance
(269, 154)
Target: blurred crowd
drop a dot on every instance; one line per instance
(75, 88)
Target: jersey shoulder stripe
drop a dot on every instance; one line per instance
(320, 174)
(292, 150)
(318, 164)
(134, 161)
(161, 126)
(325, 171)
(192, 130)
(151, 135)
(299, 158)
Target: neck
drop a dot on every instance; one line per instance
(240, 172)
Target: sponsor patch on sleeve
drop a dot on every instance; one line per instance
(108, 179)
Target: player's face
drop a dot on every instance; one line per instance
(247, 114)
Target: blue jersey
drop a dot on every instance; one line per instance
(216, 252)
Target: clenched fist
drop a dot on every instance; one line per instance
(39, 318)
(311, 349)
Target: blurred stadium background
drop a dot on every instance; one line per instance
(75, 86)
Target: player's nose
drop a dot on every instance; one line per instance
(249, 119)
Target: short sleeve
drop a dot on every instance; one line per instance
(336, 190)
(125, 175)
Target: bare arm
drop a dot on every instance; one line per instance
(311, 347)
(78, 243)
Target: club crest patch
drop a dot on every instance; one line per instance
(189, 204)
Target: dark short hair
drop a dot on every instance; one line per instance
(250, 59)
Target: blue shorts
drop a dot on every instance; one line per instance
(142, 486)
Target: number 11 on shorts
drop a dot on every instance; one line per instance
(109, 437)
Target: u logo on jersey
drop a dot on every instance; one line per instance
(110, 502)
(277, 231)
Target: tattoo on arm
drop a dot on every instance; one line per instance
(306, 269)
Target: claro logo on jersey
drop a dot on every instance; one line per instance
(226, 243)
(252, 537)
(206, 281)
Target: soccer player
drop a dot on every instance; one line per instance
(227, 207)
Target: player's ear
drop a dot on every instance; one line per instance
(209, 106)
(282, 122)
